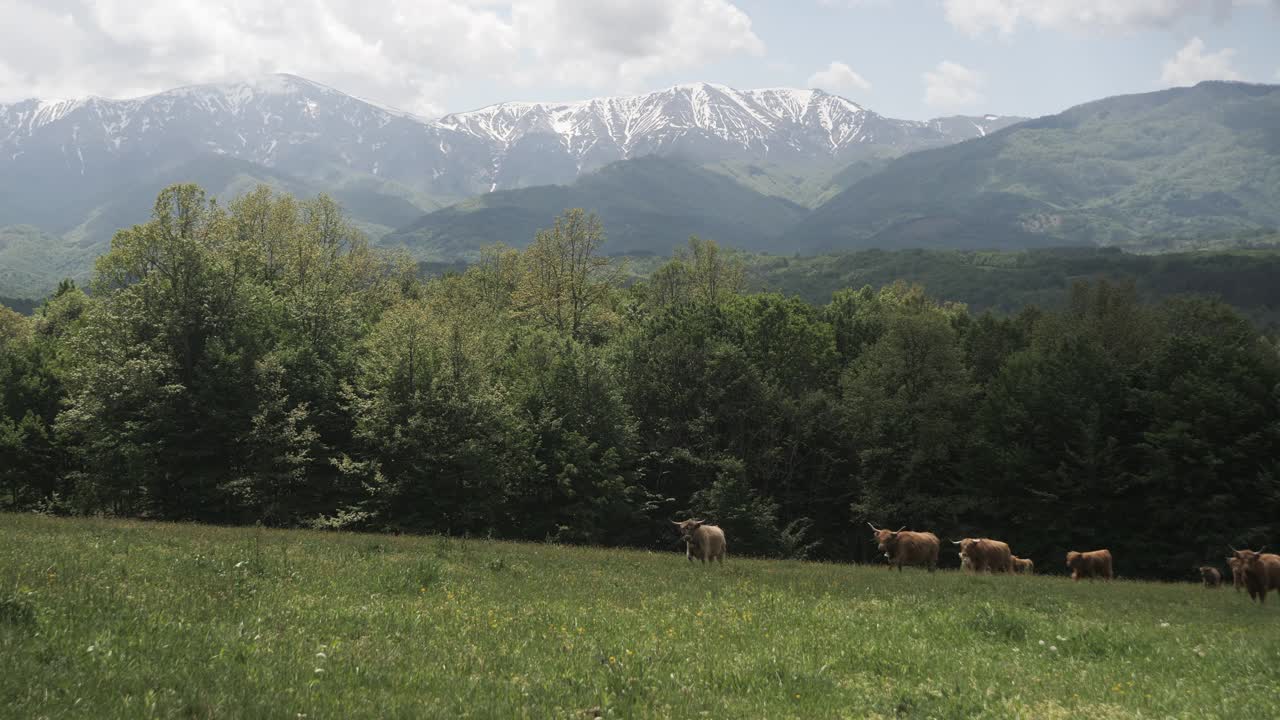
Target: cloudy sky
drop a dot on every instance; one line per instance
(903, 58)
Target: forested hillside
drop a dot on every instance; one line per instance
(1006, 282)
(651, 205)
(260, 362)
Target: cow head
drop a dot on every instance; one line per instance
(965, 545)
(886, 539)
(1073, 559)
(686, 528)
(1247, 559)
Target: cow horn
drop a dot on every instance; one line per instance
(675, 522)
(1262, 549)
(1233, 548)
(904, 527)
(956, 542)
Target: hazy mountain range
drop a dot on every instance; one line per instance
(778, 170)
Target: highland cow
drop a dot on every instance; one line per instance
(1261, 572)
(705, 541)
(1095, 563)
(985, 555)
(905, 547)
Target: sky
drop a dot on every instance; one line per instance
(911, 59)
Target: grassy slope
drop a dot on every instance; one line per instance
(136, 620)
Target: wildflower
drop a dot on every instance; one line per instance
(319, 670)
(242, 563)
(1164, 624)
(1060, 638)
(321, 655)
(1041, 642)
(1053, 648)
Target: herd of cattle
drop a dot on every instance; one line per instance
(1253, 570)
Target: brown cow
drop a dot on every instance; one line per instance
(985, 555)
(706, 541)
(1261, 572)
(1023, 566)
(1095, 563)
(1211, 577)
(905, 547)
(1237, 573)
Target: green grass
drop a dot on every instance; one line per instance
(125, 619)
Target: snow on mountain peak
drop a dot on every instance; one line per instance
(287, 122)
(631, 123)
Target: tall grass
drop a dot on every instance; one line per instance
(123, 619)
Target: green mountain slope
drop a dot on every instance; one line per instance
(648, 205)
(1185, 162)
(810, 183)
(33, 261)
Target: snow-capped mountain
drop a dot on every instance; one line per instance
(284, 123)
(764, 121)
(296, 126)
(702, 121)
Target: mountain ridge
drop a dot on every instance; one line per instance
(269, 119)
(1176, 163)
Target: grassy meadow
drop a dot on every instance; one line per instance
(108, 619)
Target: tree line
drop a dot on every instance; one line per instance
(261, 362)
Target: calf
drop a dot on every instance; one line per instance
(1237, 573)
(1023, 566)
(706, 541)
(1211, 577)
(1095, 563)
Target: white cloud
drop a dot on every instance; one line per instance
(406, 53)
(1192, 64)
(839, 78)
(620, 44)
(952, 86)
(978, 16)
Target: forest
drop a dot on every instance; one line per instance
(259, 362)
